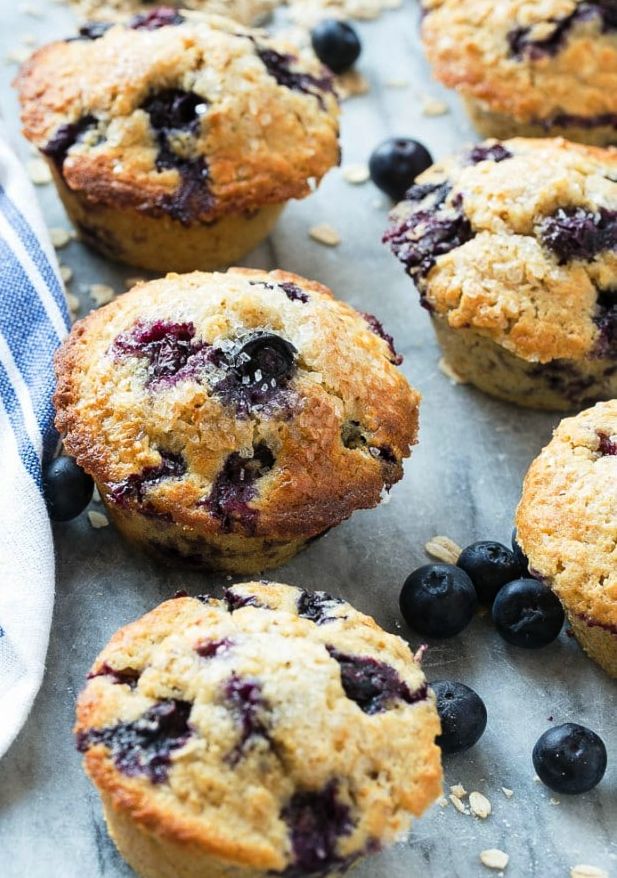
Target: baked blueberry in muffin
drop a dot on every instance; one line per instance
(529, 69)
(255, 740)
(187, 162)
(513, 249)
(566, 525)
(228, 419)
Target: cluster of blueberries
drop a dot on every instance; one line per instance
(439, 600)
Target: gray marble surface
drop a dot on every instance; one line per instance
(463, 481)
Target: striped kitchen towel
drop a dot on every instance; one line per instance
(33, 320)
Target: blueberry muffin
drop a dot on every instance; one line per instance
(513, 249)
(243, 11)
(274, 732)
(229, 419)
(567, 526)
(176, 140)
(529, 69)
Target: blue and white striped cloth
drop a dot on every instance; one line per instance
(33, 321)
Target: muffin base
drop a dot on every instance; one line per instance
(176, 545)
(561, 385)
(502, 127)
(599, 643)
(162, 243)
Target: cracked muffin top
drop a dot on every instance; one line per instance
(183, 114)
(277, 728)
(567, 517)
(246, 401)
(518, 241)
(554, 60)
(243, 11)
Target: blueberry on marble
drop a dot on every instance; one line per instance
(318, 606)
(256, 370)
(494, 153)
(438, 600)
(236, 485)
(164, 16)
(336, 44)
(166, 346)
(316, 820)
(376, 326)
(462, 713)
(526, 613)
(570, 758)
(577, 233)
(519, 556)
(67, 489)
(135, 487)
(396, 163)
(490, 566)
(144, 746)
(66, 136)
(373, 685)
(244, 697)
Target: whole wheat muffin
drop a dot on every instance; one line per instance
(567, 526)
(176, 140)
(228, 419)
(513, 248)
(275, 732)
(529, 68)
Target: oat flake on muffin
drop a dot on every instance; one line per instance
(175, 140)
(513, 248)
(228, 419)
(275, 732)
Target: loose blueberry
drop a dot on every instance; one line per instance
(570, 758)
(67, 489)
(396, 163)
(526, 613)
(336, 44)
(519, 556)
(462, 713)
(489, 565)
(438, 600)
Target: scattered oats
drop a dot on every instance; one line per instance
(493, 858)
(101, 294)
(507, 793)
(450, 373)
(480, 805)
(96, 496)
(458, 790)
(460, 807)
(351, 84)
(18, 55)
(443, 802)
(433, 107)
(325, 234)
(59, 237)
(133, 281)
(378, 203)
(419, 653)
(536, 779)
(358, 173)
(66, 273)
(38, 171)
(554, 802)
(396, 83)
(582, 871)
(444, 549)
(97, 519)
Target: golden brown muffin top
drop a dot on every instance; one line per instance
(567, 517)
(181, 113)
(534, 61)
(247, 401)
(275, 728)
(243, 11)
(517, 241)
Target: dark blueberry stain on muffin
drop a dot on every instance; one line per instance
(144, 746)
(494, 153)
(316, 821)
(168, 347)
(318, 607)
(383, 452)
(244, 698)
(606, 446)
(135, 487)
(65, 137)
(606, 320)
(564, 378)
(257, 369)
(176, 113)
(293, 292)
(236, 485)
(571, 120)
(376, 327)
(173, 555)
(373, 685)
(124, 676)
(92, 30)
(279, 66)
(577, 233)
(164, 16)
(213, 648)
(522, 44)
(235, 601)
(432, 229)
